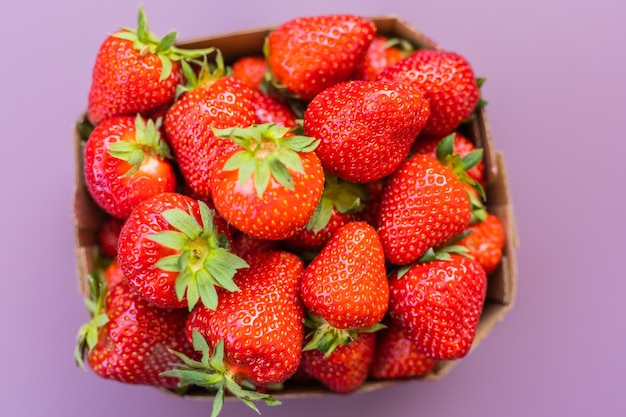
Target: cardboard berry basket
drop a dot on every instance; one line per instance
(87, 217)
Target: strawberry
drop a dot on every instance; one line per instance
(246, 246)
(173, 254)
(125, 162)
(346, 368)
(135, 72)
(485, 242)
(108, 234)
(216, 103)
(424, 205)
(365, 128)
(448, 82)
(113, 274)
(270, 186)
(306, 55)
(461, 146)
(345, 287)
(339, 205)
(438, 303)
(381, 53)
(250, 69)
(397, 356)
(255, 334)
(129, 340)
(269, 109)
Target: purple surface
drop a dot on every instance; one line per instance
(556, 95)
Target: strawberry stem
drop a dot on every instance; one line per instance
(327, 338)
(146, 43)
(212, 373)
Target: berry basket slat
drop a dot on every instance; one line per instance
(87, 217)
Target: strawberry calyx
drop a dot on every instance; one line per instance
(212, 372)
(206, 76)
(460, 165)
(441, 253)
(269, 151)
(147, 141)
(343, 196)
(146, 42)
(403, 45)
(204, 259)
(327, 338)
(87, 336)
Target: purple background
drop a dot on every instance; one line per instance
(556, 92)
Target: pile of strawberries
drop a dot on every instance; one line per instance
(311, 213)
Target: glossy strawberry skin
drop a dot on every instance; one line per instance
(462, 146)
(137, 253)
(269, 109)
(188, 124)
(397, 356)
(309, 54)
(113, 274)
(346, 368)
(448, 82)
(485, 242)
(279, 213)
(133, 346)
(379, 56)
(125, 82)
(365, 128)
(439, 303)
(250, 69)
(105, 174)
(262, 324)
(423, 205)
(346, 283)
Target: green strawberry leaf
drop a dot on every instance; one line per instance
(212, 373)
(266, 154)
(472, 159)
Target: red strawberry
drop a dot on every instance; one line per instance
(448, 82)
(129, 340)
(113, 274)
(423, 205)
(462, 146)
(382, 53)
(345, 287)
(125, 163)
(173, 254)
(255, 334)
(439, 303)
(250, 69)
(135, 72)
(107, 236)
(269, 109)
(365, 128)
(246, 246)
(222, 103)
(270, 187)
(309, 54)
(397, 356)
(485, 242)
(340, 203)
(346, 368)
